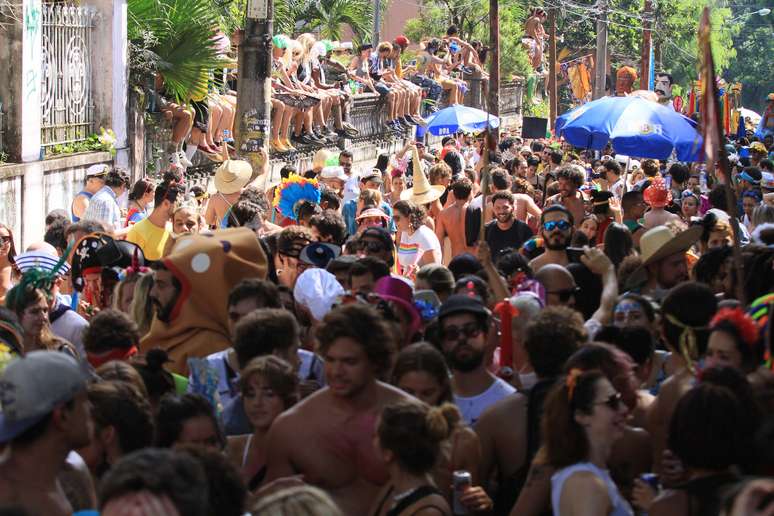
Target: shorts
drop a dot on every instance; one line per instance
(381, 88)
(434, 89)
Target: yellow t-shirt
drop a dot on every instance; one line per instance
(149, 237)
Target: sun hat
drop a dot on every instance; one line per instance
(319, 254)
(100, 169)
(659, 242)
(33, 386)
(317, 289)
(657, 195)
(232, 175)
(335, 172)
(422, 192)
(42, 260)
(399, 292)
(373, 212)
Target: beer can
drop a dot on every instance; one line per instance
(461, 480)
(651, 479)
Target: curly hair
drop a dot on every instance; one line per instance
(573, 173)
(552, 337)
(364, 325)
(414, 213)
(110, 329)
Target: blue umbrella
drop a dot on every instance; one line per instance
(635, 127)
(449, 120)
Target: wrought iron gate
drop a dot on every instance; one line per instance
(67, 109)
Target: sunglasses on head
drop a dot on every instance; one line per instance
(563, 225)
(470, 331)
(565, 294)
(613, 402)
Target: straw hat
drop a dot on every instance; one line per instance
(232, 176)
(422, 192)
(659, 242)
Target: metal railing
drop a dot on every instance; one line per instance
(67, 105)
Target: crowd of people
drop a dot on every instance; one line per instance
(458, 330)
(313, 85)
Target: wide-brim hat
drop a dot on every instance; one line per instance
(232, 176)
(659, 242)
(422, 192)
(372, 212)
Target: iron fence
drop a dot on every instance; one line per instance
(67, 108)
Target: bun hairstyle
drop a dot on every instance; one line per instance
(158, 381)
(414, 432)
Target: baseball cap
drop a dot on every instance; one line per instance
(319, 254)
(461, 303)
(372, 175)
(33, 386)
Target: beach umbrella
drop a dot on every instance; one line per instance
(453, 118)
(635, 127)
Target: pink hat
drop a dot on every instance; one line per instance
(397, 290)
(373, 212)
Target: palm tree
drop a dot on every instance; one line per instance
(176, 39)
(328, 16)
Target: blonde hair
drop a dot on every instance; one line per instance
(287, 58)
(369, 195)
(306, 40)
(297, 501)
(141, 310)
(385, 45)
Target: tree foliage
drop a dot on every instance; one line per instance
(173, 38)
(472, 18)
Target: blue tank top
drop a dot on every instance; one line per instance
(88, 196)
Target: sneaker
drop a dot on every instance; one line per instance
(407, 122)
(174, 159)
(418, 120)
(184, 159)
(350, 129)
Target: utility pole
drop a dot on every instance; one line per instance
(600, 66)
(646, 45)
(377, 23)
(493, 103)
(553, 100)
(253, 112)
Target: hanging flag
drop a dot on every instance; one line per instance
(711, 118)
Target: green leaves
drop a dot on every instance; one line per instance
(175, 38)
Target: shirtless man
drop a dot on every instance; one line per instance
(556, 229)
(688, 307)
(571, 178)
(328, 437)
(658, 196)
(451, 220)
(45, 415)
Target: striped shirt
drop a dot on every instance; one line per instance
(104, 207)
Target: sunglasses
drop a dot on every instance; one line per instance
(566, 294)
(563, 225)
(5, 239)
(470, 331)
(614, 402)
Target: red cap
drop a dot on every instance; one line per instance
(402, 41)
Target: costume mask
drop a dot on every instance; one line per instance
(663, 87)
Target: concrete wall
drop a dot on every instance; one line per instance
(29, 191)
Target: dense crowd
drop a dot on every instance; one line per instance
(461, 329)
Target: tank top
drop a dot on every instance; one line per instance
(88, 195)
(620, 507)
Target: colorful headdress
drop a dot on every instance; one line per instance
(293, 190)
(280, 41)
(760, 311)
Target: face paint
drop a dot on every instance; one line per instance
(628, 314)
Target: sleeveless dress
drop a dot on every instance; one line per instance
(84, 193)
(620, 507)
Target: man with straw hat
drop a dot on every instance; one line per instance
(664, 262)
(230, 178)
